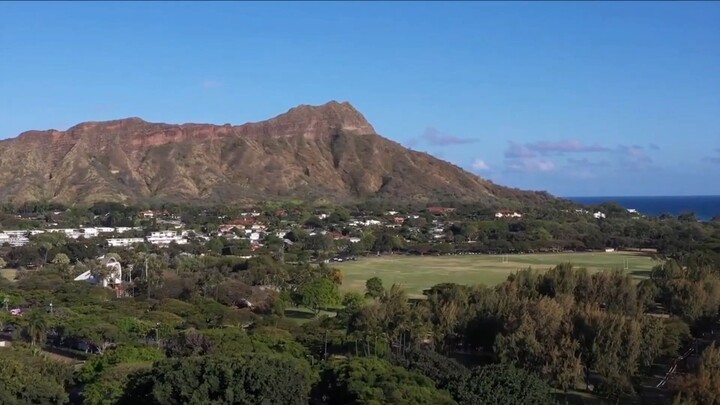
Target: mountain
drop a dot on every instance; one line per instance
(328, 152)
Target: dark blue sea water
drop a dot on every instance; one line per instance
(704, 207)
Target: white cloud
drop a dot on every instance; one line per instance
(480, 165)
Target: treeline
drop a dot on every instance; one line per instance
(470, 228)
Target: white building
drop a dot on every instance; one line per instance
(13, 239)
(124, 242)
(113, 278)
(20, 237)
(598, 215)
(17, 233)
(166, 238)
(508, 215)
(372, 222)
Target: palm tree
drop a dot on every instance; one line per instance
(36, 328)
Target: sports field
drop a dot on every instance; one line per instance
(416, 273)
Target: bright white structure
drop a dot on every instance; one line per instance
(124, 242)
(166, 237)
(598, 215)
(508, 215)
(114, 277)
(13, 239)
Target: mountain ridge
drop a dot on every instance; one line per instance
(328, 152)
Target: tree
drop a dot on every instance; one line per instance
(109, 388)
(353, 301)
(363, 380)
(374, 288)
(36, 328)
(499, 384)
(442, 370)
(540, 340)
(616, 353)
(320, 242)
(44, 247)
(215, 245)
(61, 262)
(148, 269)
(703, 385)
(188, 343)
(652, 333)
(96, 366)
(320, 293)
(28, 377)
(244, 379)
(387, 242)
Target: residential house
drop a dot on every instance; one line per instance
(338, 236)
(13, 238)
(166, 238)
(124, 242)
(229, 228)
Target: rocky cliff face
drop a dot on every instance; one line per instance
(327, 152)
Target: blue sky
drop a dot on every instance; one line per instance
(574, 98)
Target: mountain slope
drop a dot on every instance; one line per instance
(327, 152)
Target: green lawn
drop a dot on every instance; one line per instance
(416, 273)
(301, 314)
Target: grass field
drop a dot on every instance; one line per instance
(8, 274)
(415, 273)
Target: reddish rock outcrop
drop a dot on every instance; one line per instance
(327, 152)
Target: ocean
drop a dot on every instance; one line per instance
(704, 207)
